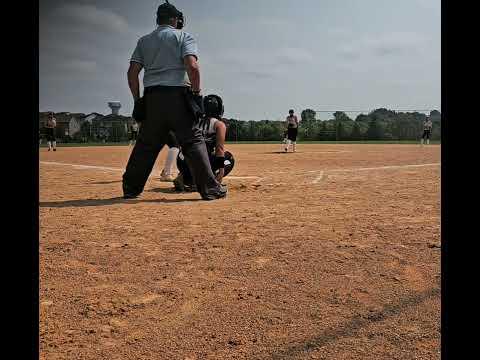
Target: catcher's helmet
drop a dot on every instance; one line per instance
(213, 105)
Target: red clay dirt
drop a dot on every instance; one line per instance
(332, 252)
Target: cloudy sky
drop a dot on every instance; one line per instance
(262, 56)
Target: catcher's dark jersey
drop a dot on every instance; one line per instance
(209, 133)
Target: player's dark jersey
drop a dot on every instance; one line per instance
(427, 125)
(292, 122)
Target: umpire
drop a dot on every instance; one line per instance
(171, 82)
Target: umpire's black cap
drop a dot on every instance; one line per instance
(168, 10)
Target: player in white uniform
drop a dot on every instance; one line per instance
(427, 131)
(292, 130)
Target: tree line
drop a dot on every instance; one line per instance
(380, 124)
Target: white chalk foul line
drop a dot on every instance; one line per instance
(322, 172)
(383, 167)
(94, 167)
(80, 166)
(318, 178)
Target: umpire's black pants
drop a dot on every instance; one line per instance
(167, 110)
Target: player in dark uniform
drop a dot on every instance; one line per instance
(292, 130)
(214, 131)
(50, 132)
(427, 130)
(133, 133)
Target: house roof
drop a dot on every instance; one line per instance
(113, 118)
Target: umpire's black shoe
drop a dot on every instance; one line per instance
(129, 196)
(220, 194)
(190, 188)
(128, 193)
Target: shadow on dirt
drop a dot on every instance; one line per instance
(106, 182)
(352, 327)
(111, 201)
(163, 190)
(280, 152)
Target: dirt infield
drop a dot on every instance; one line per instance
(328, 253)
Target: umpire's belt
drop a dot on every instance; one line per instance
(162, 88)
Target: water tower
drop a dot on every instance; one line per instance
(115, 106)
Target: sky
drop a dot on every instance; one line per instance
(262, 57)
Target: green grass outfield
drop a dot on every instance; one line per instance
(432, 142)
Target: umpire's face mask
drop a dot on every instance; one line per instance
(180, 21)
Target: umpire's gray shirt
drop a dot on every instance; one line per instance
(161, 53)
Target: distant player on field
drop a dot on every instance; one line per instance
(50, 128)
(133, 133)
(427, 131)
(292, 130)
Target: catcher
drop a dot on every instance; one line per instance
(214, 132)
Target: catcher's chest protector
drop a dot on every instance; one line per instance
(209, 133)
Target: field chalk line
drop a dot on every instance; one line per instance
(318, 178)
(86, 167)
(80, 166)
(383, 167)
(322, 172)
(376, 168)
